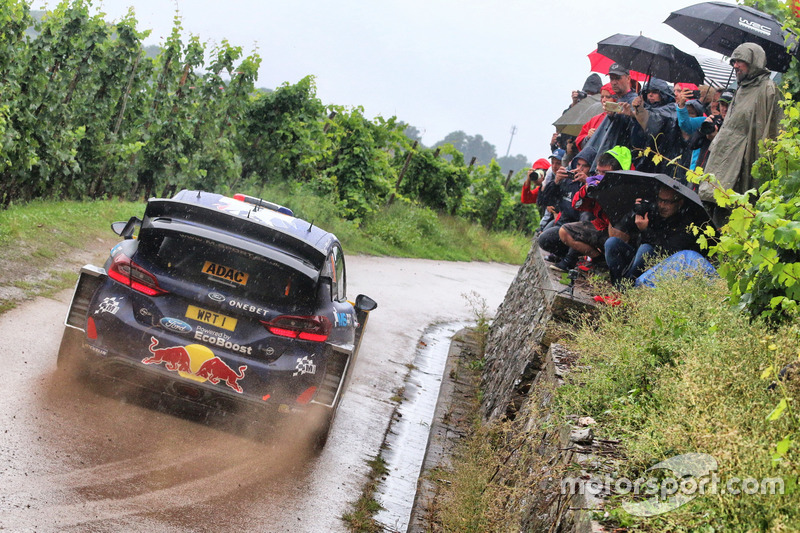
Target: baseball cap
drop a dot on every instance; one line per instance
(558, 153)
(726, 96)
(542, 163)
(618, 69)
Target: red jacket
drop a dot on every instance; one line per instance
(592, 123)
(581, 202)
(529, 196)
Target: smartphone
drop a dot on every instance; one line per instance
(612, 107)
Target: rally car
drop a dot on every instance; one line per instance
(224, 302)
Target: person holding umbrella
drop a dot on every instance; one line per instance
(753, 115)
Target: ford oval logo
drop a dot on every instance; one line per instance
(217, 297)
(173, 324)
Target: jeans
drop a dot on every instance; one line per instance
(624, 261)
(549, 241)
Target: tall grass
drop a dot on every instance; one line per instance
(676, 370)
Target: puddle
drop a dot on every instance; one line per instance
(408, 435)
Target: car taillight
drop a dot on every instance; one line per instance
(307, 328)
(125, 271)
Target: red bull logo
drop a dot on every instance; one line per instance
(195, 362)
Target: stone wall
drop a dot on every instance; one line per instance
(525, 325)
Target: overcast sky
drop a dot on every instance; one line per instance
(481, 66)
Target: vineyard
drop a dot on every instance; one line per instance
(86, 114)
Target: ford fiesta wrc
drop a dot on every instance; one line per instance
(223, 302)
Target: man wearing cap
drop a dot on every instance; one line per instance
(753, 115)
(567, 183)
(615, 128)
(545, 197)
(589, 237)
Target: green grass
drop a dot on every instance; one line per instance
(676, 370)
(403, 230)
(40, 244)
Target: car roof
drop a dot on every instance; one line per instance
(286, 233)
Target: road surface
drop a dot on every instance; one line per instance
(73, 460)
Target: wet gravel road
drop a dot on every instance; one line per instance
(73, 460)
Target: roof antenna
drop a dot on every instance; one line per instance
(310, 226)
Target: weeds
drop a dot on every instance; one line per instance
(676, 370)
(480, 312)
(361, 518)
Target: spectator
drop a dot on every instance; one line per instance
(753, 115)
(589, 129)
(656, 126)
(543, 201)
(615, 129)
(709, 128)
(663, 230)
(588, 237)
(565, 185)
(535, 175)
(591, 86)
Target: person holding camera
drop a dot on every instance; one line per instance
(663, 229)
(614, 130)
(588, 237)
(590, 127)
(568, 180)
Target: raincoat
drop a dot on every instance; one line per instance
(753, 115)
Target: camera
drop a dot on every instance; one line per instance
(708, 127)
(571, 174)
(581, 95)
(696, 94)
(643, 208)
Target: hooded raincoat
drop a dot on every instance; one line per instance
(753, 115)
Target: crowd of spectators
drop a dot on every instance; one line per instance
(703, 129)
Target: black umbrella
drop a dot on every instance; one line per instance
(654, 58)
(721, 27)
(617, 193)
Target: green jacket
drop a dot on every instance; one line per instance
(753, 115)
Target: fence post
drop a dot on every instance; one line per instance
(402, 172)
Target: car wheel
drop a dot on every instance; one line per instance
(71, 355)
(322, 421)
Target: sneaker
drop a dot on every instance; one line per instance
(562, 266)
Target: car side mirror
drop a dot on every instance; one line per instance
(126, 229)
(365, 303)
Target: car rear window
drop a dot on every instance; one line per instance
(214, 264)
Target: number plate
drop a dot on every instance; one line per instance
(210, 317)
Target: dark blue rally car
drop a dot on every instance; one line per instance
(223, 302)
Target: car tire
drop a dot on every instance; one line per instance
(71, 353)
(322, 428)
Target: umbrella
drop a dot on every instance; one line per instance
(657, 59)
(719, 73)
(617, 193)
(571, 122)
(600, 64)
(721, 27)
